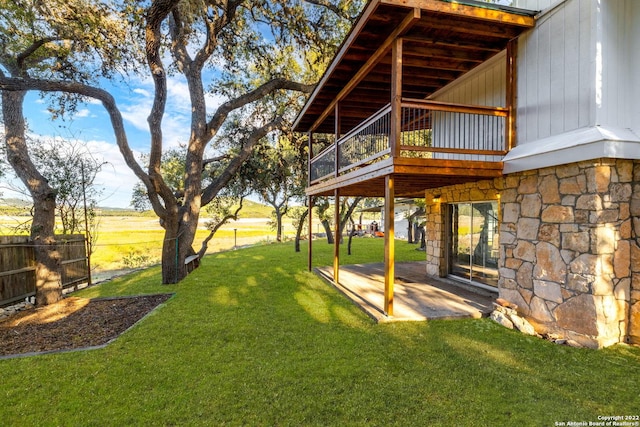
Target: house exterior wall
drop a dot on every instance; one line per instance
(484, 85)
(633, 88)
(570, 249)
(556, 73)
(539, 5)
(577, 85)
(569, 246)
(620, 41)
(435, 213)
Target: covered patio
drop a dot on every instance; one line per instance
(416, 296)
(376, 127)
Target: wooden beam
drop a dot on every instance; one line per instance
(337, 130)
(353, 35)
(468, 29)
(395, 136)
(511, 101)
(389, 245)
(310, 249)
(425, 62)
(406, 23)
(455, 108)
(336, 238)
(458, 9)
(478, 45)
(309, 157)
(430, 51)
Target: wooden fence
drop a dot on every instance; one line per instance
(17, 265)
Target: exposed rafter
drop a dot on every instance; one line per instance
(442, 40)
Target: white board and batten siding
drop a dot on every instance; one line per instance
(485, 85)
(555, 73)
(633, 26)
(578, 84)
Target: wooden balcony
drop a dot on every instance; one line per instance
(376, 97)
(438, 144)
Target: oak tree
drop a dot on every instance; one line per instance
(70, 40)
(260, 56)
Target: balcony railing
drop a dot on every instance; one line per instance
(366, 143)
(438, 130)
(429, 130)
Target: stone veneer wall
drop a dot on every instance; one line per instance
(569, 249)
(569, 246)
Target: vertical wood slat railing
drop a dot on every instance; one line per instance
(439, 130)
(430, 130)
(367, 142)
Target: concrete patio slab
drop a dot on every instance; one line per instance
(416, 295)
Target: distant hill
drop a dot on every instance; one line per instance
(14, 207)
(250, 209)
(12, 202)
(17, 207)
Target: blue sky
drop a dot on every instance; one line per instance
(91, 124)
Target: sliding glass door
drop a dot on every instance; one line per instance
(473, 242)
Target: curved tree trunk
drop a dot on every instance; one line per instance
(327, 230)
(299, 229)
(180, 229)
(47, 257)
(278, 214)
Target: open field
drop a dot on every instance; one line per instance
(131, 240)
(137, 241)
(127, 239)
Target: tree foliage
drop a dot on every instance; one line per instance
(277, 173)
(71, 169)
(70, 40)
(258, 56)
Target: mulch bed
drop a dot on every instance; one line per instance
(73, 323)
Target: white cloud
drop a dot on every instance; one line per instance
(142, 92)
(176, 121)
(115, 177)
(84, 112)
(93, 101)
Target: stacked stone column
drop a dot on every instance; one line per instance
(569, 256)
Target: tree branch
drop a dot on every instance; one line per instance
(272, 85)
(156, 14)
(31, 49)
(205, 162)
(332, 7)
(14, 84)
(223, 179)
(223, 221)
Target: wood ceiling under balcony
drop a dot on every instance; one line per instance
(442, 40)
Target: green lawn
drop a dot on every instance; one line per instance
(252, 338)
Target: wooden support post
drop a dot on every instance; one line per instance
(336, 238)
(389, 245)
(511, 95)
(336, 193)
(337, 125)
(310, 249)
(396, 98)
